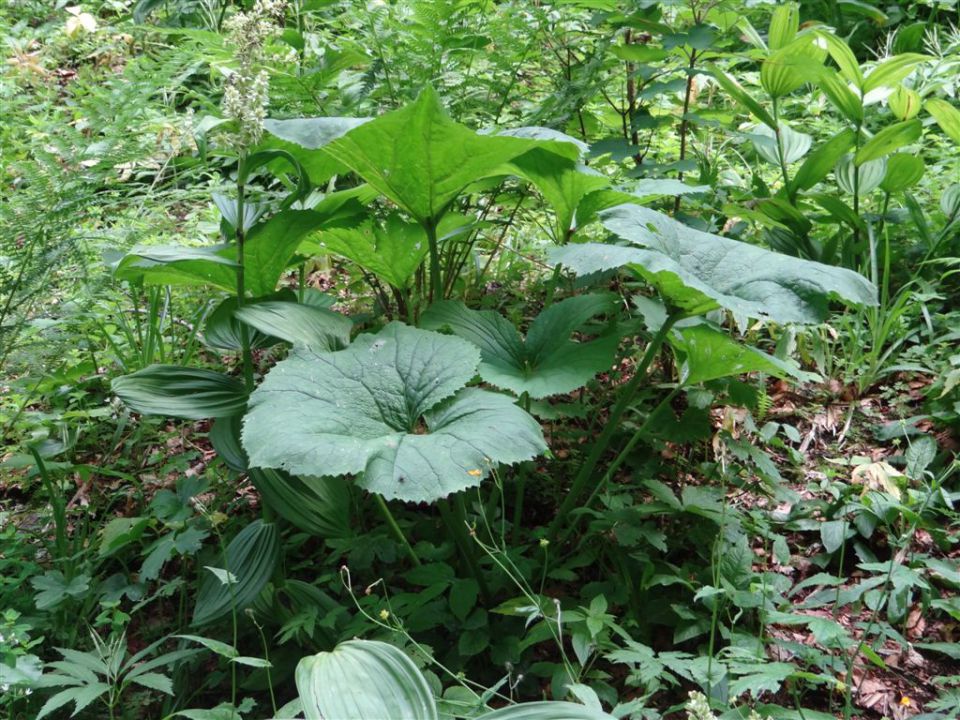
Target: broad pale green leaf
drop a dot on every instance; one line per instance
(313, 327)
(706, 353)
(363, 680)
(251, 557)
(698, 271)
(547, 362)
(222, 330)
(903, 171)
(794, 144)
(534, 132)
(822, 160)
(869, 175)
(392, 406)
(317, 505)
(546, 711)
(947, 117)
(421, 159)
(889, 139)
(312, 133)
(563, 184)
(181, 392)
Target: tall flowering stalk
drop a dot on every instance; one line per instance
(245, 100)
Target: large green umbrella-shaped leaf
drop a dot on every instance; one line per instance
(698, 271)
(547, 362)
(393, 407)
(181, 392)
(250, 560)
(421, 159)
(363, 680)
(563, 184)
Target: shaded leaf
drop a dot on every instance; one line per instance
(181, 392)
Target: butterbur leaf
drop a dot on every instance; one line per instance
(251, 558)
(547, 362)
(563, 184)
(421, 159)
(889, 139)
(393, 407)
(181, 392)
(698, 271)
(364, 680)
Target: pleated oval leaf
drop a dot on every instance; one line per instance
(794, 144)
(871, 174)
(793, 65)
(181, 392)
(222, 330)
(904, 103)
(391, 408)
(306, 325)
(364, 680)
(547, 362)
(698, 271)
(903, 172)
(317, 505)
(251, 559)
(736, 91)
(784, 23)
(547, 710)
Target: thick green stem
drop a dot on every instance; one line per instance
(395, 528)
(601, 444)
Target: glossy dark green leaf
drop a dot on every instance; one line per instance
(181, 392)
